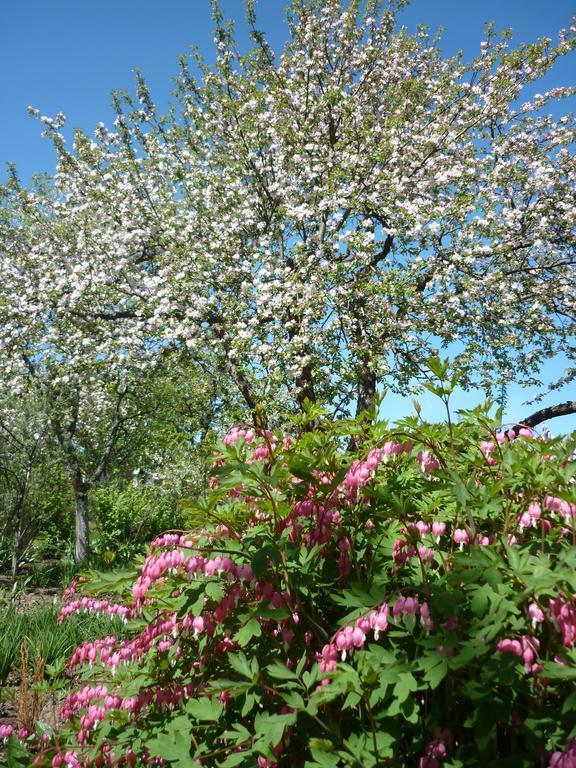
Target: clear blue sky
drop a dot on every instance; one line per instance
(68, 55)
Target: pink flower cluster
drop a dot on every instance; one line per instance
(156, 566)
(164, 628)
(536, 614)
(393, 448)
(82, 699)
(72, 759)
(526, 648)
(316, 518)
(217, 566)
(98, 704)
(354, 636)
(532, 517)
(437, 750)
(92, 651)
(403, 550)
(563, 615)
(323, 517)
(488, 446)
(360, 473)
(428, 463)
(93, 605)
(261, 452)
(238, 433)
(351, 637)
(164, 631)
(172, 540)
(363, 470)
(171, 561)
(565, 759)
(565, 509)
(462, 537)
(5, 732)
(410, 606)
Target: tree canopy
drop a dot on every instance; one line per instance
(311, 224)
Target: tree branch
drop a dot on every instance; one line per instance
(552, 412)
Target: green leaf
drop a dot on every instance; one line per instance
(275, 614)
(238, 734)
(236, 758)
(174, 743)
(205, 709)
(251, 629)
(214, 590)
(198, 605)
(250, 702)
(406, 685)
(260, 559)
(325, 759)
(351, 700)
(16, 755)
(570, 703)
(479, 601)
(434, 675)
(271, 728)
(280, 671)
(310, 677)
(558, 671)
(294, 700)
(437, 366)
(239, 663)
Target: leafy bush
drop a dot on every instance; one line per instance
(5, 554)
(411, 602)
(53, 519)
(127, 518)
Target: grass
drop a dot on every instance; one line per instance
(39, 626)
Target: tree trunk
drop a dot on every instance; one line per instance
(82, 542)
(257, 411)
(305, 385)
(366, 390)
(17, 538)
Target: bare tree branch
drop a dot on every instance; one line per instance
(552, 412)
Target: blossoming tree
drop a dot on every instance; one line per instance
(313, 224)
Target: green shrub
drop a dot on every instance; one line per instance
(53, 517)
(5, 554)
(126, 518)
(408, 603)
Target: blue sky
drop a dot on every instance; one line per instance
(68, 55)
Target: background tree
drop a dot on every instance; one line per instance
(24, 457)
(106, 401)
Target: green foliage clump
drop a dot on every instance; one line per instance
(127, 517)
(53, 514)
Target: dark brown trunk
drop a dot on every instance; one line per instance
(366, 389)
(305, 386)
(257, 412)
